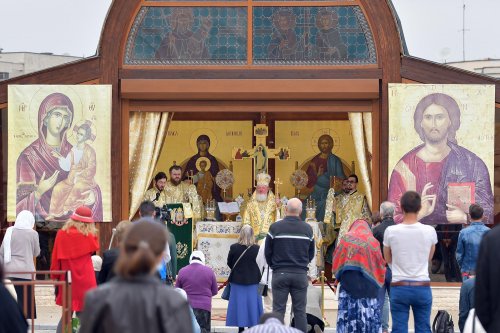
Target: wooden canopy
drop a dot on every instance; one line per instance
(209, 88)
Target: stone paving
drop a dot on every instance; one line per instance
(48, 313)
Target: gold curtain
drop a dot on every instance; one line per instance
(356, 121)
(367, 124)
(147, 133)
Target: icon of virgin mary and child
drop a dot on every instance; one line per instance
(53, 176)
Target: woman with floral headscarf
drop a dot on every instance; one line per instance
(359, 266)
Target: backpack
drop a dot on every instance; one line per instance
(443, 323)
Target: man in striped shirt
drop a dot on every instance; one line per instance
(289, 250)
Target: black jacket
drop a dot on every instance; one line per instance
(487, 298)
(246, 271)
(378, 231)
(108, 263)
(11, 316)
(290, 245)
(140, 304)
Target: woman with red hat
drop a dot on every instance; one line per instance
(74, 245)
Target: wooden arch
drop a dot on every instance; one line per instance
(379, 14)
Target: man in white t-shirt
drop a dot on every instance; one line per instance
(408, 248)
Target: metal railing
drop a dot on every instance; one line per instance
(63, 287)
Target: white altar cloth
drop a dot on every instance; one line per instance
(214, 240)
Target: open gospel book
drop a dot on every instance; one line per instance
(228, 207)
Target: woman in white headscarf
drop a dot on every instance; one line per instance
(19, 247)
(200, 285)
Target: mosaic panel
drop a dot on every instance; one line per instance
(311, 36)
(188, 36)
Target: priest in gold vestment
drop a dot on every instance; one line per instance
(262, 209)
(348, 206)
(156, 194)
(177, 191)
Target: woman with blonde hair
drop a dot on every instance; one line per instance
(245, 303)
(73, 248)
(135, 300)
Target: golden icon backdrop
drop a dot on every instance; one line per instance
(189, 143)
(303, 140)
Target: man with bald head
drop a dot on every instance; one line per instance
(289, 249)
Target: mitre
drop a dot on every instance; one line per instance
(263, 179)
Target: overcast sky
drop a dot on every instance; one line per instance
(431, 27)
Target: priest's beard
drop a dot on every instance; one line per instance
(261, 197)
(175, 182)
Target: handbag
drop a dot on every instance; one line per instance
(472, 324)
(227, 290)
(263, 287)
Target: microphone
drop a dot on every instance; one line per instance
(157, 197)
(113, 232)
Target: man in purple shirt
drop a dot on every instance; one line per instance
(200, 284)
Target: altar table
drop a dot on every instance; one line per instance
(214, 239)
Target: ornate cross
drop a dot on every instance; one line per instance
(260, 153)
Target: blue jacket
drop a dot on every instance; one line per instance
(468, 246)
(466, 302)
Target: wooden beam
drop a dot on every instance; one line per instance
(256, 116)
(215, 116)
(71, 73)
(257, 89)
(255, 72)
(223, 107)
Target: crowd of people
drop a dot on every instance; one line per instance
(380, 266)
